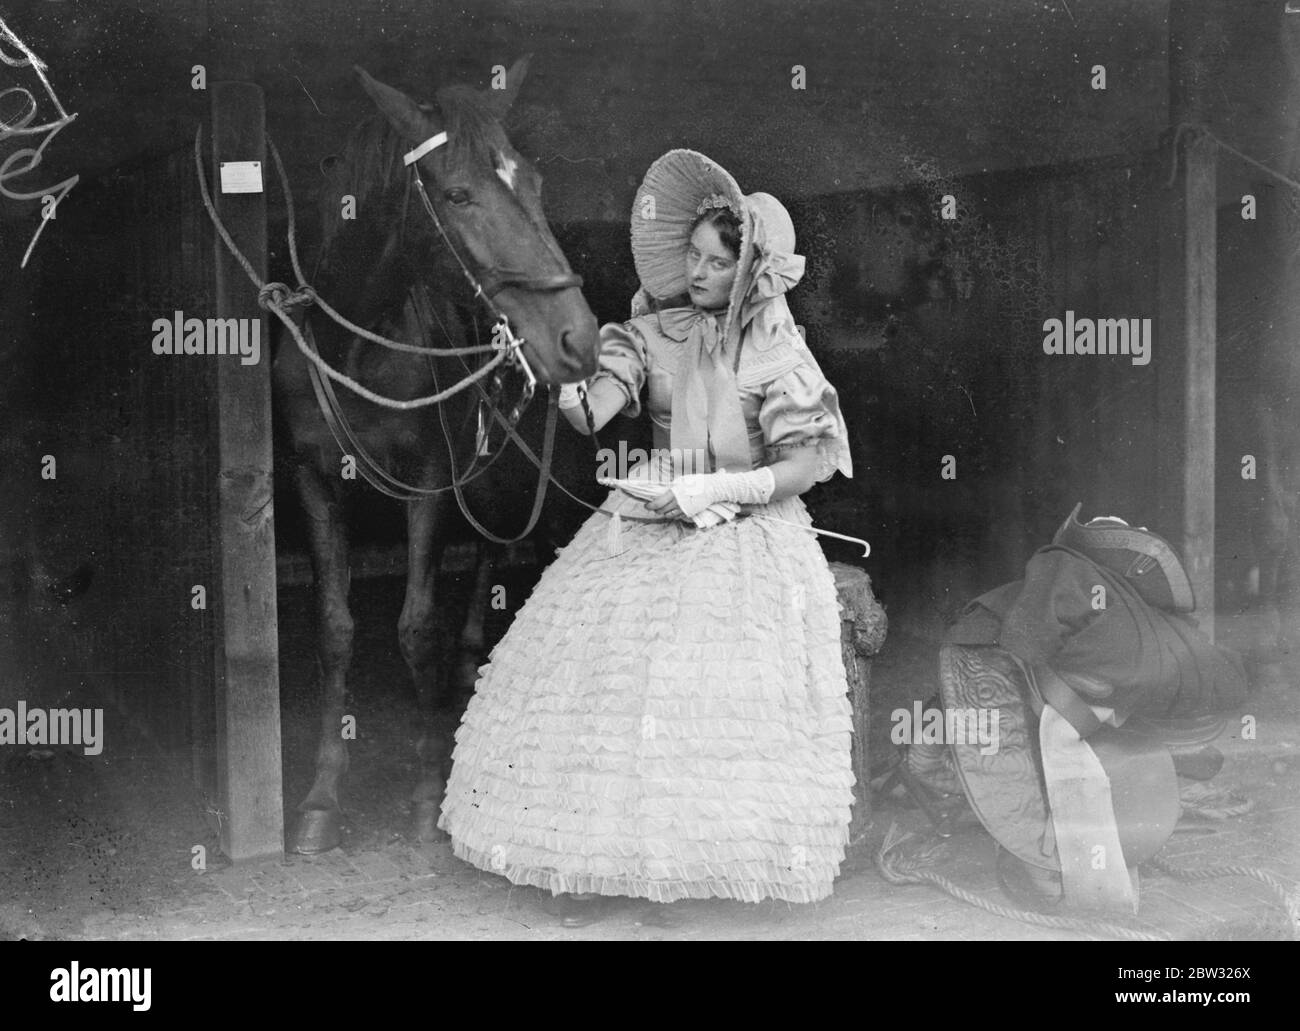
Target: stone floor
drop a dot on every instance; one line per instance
(395, 890)
(102, 848)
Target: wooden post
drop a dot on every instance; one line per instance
(248, 689)
(1184, 345)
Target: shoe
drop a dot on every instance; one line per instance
(580, 910)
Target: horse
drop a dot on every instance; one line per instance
(415, 264)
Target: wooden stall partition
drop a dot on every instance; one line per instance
(247, 654)
(1187, 323)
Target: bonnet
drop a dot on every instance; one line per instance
(678, 188)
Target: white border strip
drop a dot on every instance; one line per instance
(432, 143)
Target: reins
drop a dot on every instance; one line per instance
(281, 300)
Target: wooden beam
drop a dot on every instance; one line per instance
(248, 689)
(1185, 346)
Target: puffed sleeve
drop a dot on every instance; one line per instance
(623, 359)
(801, 409)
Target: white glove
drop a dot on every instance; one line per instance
(640, 486)
(698, 491)
(571, 394)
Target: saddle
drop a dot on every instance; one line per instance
(1071, 779)
(1006, 787)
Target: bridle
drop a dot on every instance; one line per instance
(486, 284)
(286, 304)
(489, 281)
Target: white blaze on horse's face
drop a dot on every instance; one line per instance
(505, 169)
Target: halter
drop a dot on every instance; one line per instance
(492, 280)
(486, 285)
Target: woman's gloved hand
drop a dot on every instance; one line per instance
(698, 491)
(707, 499)
(571, 394)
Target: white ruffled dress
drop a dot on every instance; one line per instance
(667, 718)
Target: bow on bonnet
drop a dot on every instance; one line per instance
(776, 269)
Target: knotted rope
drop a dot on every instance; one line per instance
(280, 300)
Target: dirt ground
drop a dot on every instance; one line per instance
(103, 847)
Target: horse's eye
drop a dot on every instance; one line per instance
(457, 197)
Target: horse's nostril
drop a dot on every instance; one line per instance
(571, 347)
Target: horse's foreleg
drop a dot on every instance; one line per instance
(318, 825)
(424, 642)
(473, 639)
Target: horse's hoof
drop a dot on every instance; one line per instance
(424, 822)
(317, 831)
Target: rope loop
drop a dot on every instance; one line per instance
(280, 295)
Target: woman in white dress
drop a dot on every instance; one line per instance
(666, 717)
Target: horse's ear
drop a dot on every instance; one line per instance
(503, 100)
(403, 113)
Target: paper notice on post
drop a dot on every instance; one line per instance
(241, 177)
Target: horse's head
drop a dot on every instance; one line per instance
(488, 199)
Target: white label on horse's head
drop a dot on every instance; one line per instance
(241, 177)
(432, 143)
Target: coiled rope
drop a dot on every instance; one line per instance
(898, 868)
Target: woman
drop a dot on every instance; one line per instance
(666, 717)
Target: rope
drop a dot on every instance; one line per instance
(643, 519)
(269, 297)
(1199, 799)
(292, 236)
(1185, 127)
(278, 298)
(898, 869)
(1289, 896)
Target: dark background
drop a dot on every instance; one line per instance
(930, 330)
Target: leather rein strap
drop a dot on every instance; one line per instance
(486, 285)
(350, 444)
(544, 477)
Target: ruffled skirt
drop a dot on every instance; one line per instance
(666, 718)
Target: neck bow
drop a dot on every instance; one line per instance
(706, 413)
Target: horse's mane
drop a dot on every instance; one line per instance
(370, 163)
